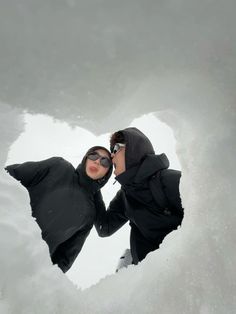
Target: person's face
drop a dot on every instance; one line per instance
(94, 169)
(118, 160)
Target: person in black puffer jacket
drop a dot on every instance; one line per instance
(62, 199)
(149, 196)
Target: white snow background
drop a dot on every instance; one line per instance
(98, 65)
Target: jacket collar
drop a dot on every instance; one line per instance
(128, 176)
(149, 166)
(88, 183)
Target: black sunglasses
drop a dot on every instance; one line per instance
(104, 161)
(117, 147)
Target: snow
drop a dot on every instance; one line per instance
(99, 256)
(69, 60)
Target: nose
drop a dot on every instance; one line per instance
(112, 155)
(97, 161)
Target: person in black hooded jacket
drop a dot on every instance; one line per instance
(149, 197)
(62, 199)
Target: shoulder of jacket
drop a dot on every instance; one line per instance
(53, 160)
(57, 160)
(166, 176)
(170, 172)
(170, 178)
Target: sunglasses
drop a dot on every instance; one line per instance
(117, 147)
(104, 161)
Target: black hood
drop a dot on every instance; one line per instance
(137, 147)
(85, 180)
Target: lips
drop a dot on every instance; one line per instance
(93, 169)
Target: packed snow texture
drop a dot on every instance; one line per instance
(99, 64)
(99, 256)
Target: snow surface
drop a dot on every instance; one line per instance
(69, 60)
(99, 256)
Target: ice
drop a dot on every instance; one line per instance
(108, 63)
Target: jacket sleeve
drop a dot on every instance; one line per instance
(109, 221)
(31, 172)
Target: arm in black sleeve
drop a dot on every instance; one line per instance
(108, 222)
(31, 172)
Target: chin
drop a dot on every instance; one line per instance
(91, 176)
(116, 173)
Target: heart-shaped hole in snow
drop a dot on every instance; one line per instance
(44, 137)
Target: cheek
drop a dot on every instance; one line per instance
(87, 164)
(103, 171)
(123, 161)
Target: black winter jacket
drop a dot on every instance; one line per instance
(136, 202)
(149, 196)
(62, 201)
